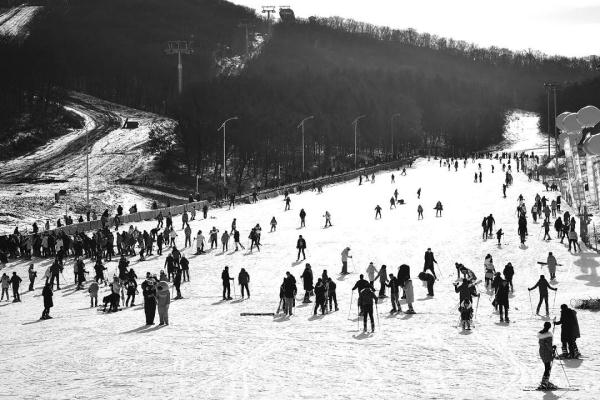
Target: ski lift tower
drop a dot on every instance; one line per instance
(179, 47)
(268, 10)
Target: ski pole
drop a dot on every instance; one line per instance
(554, 301)
(477, 307)
(234, 295)
(377, 311)
(353, 266)
(350, 308)
(530, 305)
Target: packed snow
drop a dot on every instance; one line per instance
(115, 154)
(210, 351)
(14, 22)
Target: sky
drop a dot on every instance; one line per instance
(568, 28)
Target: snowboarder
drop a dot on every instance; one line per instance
(569, 332)
(226, 285)
(377, 211)
(301, 246)
(243, 281)
(429, 261)
(543, 286)
(345, 258)
(547, 355)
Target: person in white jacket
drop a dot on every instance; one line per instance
(200, 243)
(345, 258)
(163, 299)
(372, 272)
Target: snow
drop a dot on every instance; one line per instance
(13, 22)
(29, 182)
(209, 351)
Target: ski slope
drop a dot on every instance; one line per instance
(115, 154)
(209, 351)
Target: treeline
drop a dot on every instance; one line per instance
(265, 142)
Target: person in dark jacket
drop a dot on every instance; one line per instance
(307, 281)
(394, 294)
(244, 280)
(465, 291)
(289, 292)
(509, 272)
(185, 268)
(226, 285)
(320, 297)
(32, 275)
(331, 296)
(360, 284)
(429, 261)
(15, 281)
(543, 286)
(149, 291)
(430, 280)
(546, 354)
(502, 299)
(302, 218)
(569, 332)
(131, 286)
(177, 283)
(366, 298)
(48, 304)
(301, 246)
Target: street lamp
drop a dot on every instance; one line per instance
(301, 124)
(355, 123)
(224, 127)
(392, 129)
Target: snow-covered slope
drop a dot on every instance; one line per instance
(29, 182)
(13, 23)
(209, 351)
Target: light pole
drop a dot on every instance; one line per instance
(87, 170)
(301, 125)
(355, 123)
(551, 86)
(392, 130)
(224, 127)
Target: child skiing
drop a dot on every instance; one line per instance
(466, 314)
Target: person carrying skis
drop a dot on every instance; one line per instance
(345, 258)
(419, 212)
(226, 285)
(551, 263)
(32, 275)
(547, 355)
(543, 286)
(377, 211)
(243, 281)
(366, 298)
(301, 246)
(307, 281)
(48, 303)
(569, 332)
(429, 261)
(394, 294)
(509, 272)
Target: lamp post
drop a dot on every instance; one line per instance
(392, 130)
(355, 123)
(301, 125)
(224, 127)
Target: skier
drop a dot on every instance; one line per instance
(489, 270)
(319, 297)
(419, 193)
(371, 272)
(572, 235)
(176, 284)
(383, 279)
(499, 235)
(302, 217)
(543, 286)
(199, 243)
(466, 290)
(438, 209)
(301, 246)
(569, 332)
(419, 212)
(509, 272)
(466, 314)
(327, 219)
(394, 294)
(149, 291)
(225, 241)
(547, 355)
(360, 284)
(345, 257)
(15, 281)
(392, 202)
(366, 298)
(307, 280)
(429, 261)
(48, 304)
(226, 286)
(163, 299)
(502, 299)
(273, 224)
(32, 275)
(243, 281)
(377, 211)
(429, 279)
(287, 203)
(236, 239)
(93, 291)
(289, 292)
(331, 296)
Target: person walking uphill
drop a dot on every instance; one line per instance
(345, 257)
(243, 281)
(547, 355)
(320, 299)
(502, 299)
(301, 246)
(543, 286)
(226, 285)
(15, 281)
(429, 261)
(307, 282)
(32, 275)
(48, 303)
(163, 300)
(149, 291)
(569, 332)
(302, 218)
(366, 298)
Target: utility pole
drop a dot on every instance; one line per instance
(179, 47)
(392, 130)
(355, 123)
(246, 25)
(301, 124)
(224, 126)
